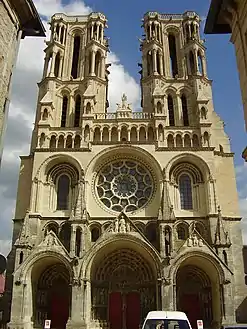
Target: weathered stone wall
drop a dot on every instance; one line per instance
(8, 44)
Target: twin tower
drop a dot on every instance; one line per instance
(173, 55)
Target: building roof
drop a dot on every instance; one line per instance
(31, 23)
(216, 22)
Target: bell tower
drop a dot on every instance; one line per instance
(74, 82)
(173, 55)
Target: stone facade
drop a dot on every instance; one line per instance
(121, 213)
(231, 17)
(13, 27)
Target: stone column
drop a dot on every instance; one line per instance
(87, 302)
(162, 240)
(227, 303)
(196, 62)
(92, 26)
(167, 295)
(97, 33)
(76, 314)
(51, 74)
(93, 63)
(102, 74)
(204, 66)
(102, 34)
(161, 64)
(47, 58)
(128, 134)
(60, 67)
(72, 240)
(154, 57)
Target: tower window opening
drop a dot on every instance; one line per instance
(62, 35)
(75, 60)
(158, 55)
(63, 187)
(97, 64)
(173, 55)
(187, 32)
(64, 111)
(21, 257)
(192, 63)
(57, 64)
(149, 63)
(171, 110)
(77, 111)
(78, 242)
(200, 63)
(185, 190)
(185, 110)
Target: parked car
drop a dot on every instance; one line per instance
(166, 320)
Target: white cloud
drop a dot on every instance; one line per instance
(23, 103)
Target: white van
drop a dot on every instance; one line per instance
(166, 320)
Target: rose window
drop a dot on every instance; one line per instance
(124, 185)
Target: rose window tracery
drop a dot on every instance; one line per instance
(124, 185)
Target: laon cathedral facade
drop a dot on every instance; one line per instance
(119, 213)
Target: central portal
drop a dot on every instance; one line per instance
(123, 290)
(124, 310)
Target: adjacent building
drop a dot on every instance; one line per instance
(231, 17)
(18, 19)
(121, 213)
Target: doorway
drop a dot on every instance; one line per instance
(124, 310)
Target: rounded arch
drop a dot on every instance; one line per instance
(54, 160)
(126, 151)
(203, 260)
(113, 243)
(23, 273)
(198, 276)
(195, 160)
(76, 31)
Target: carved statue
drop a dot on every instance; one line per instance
(122, 225)
(50, 239)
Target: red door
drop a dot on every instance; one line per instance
(115, 310)
(59, 311)
(191, 306)
(133, 310)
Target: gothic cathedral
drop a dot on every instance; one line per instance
(119, 213)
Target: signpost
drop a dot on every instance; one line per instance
(47, 324)
(199, 324)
